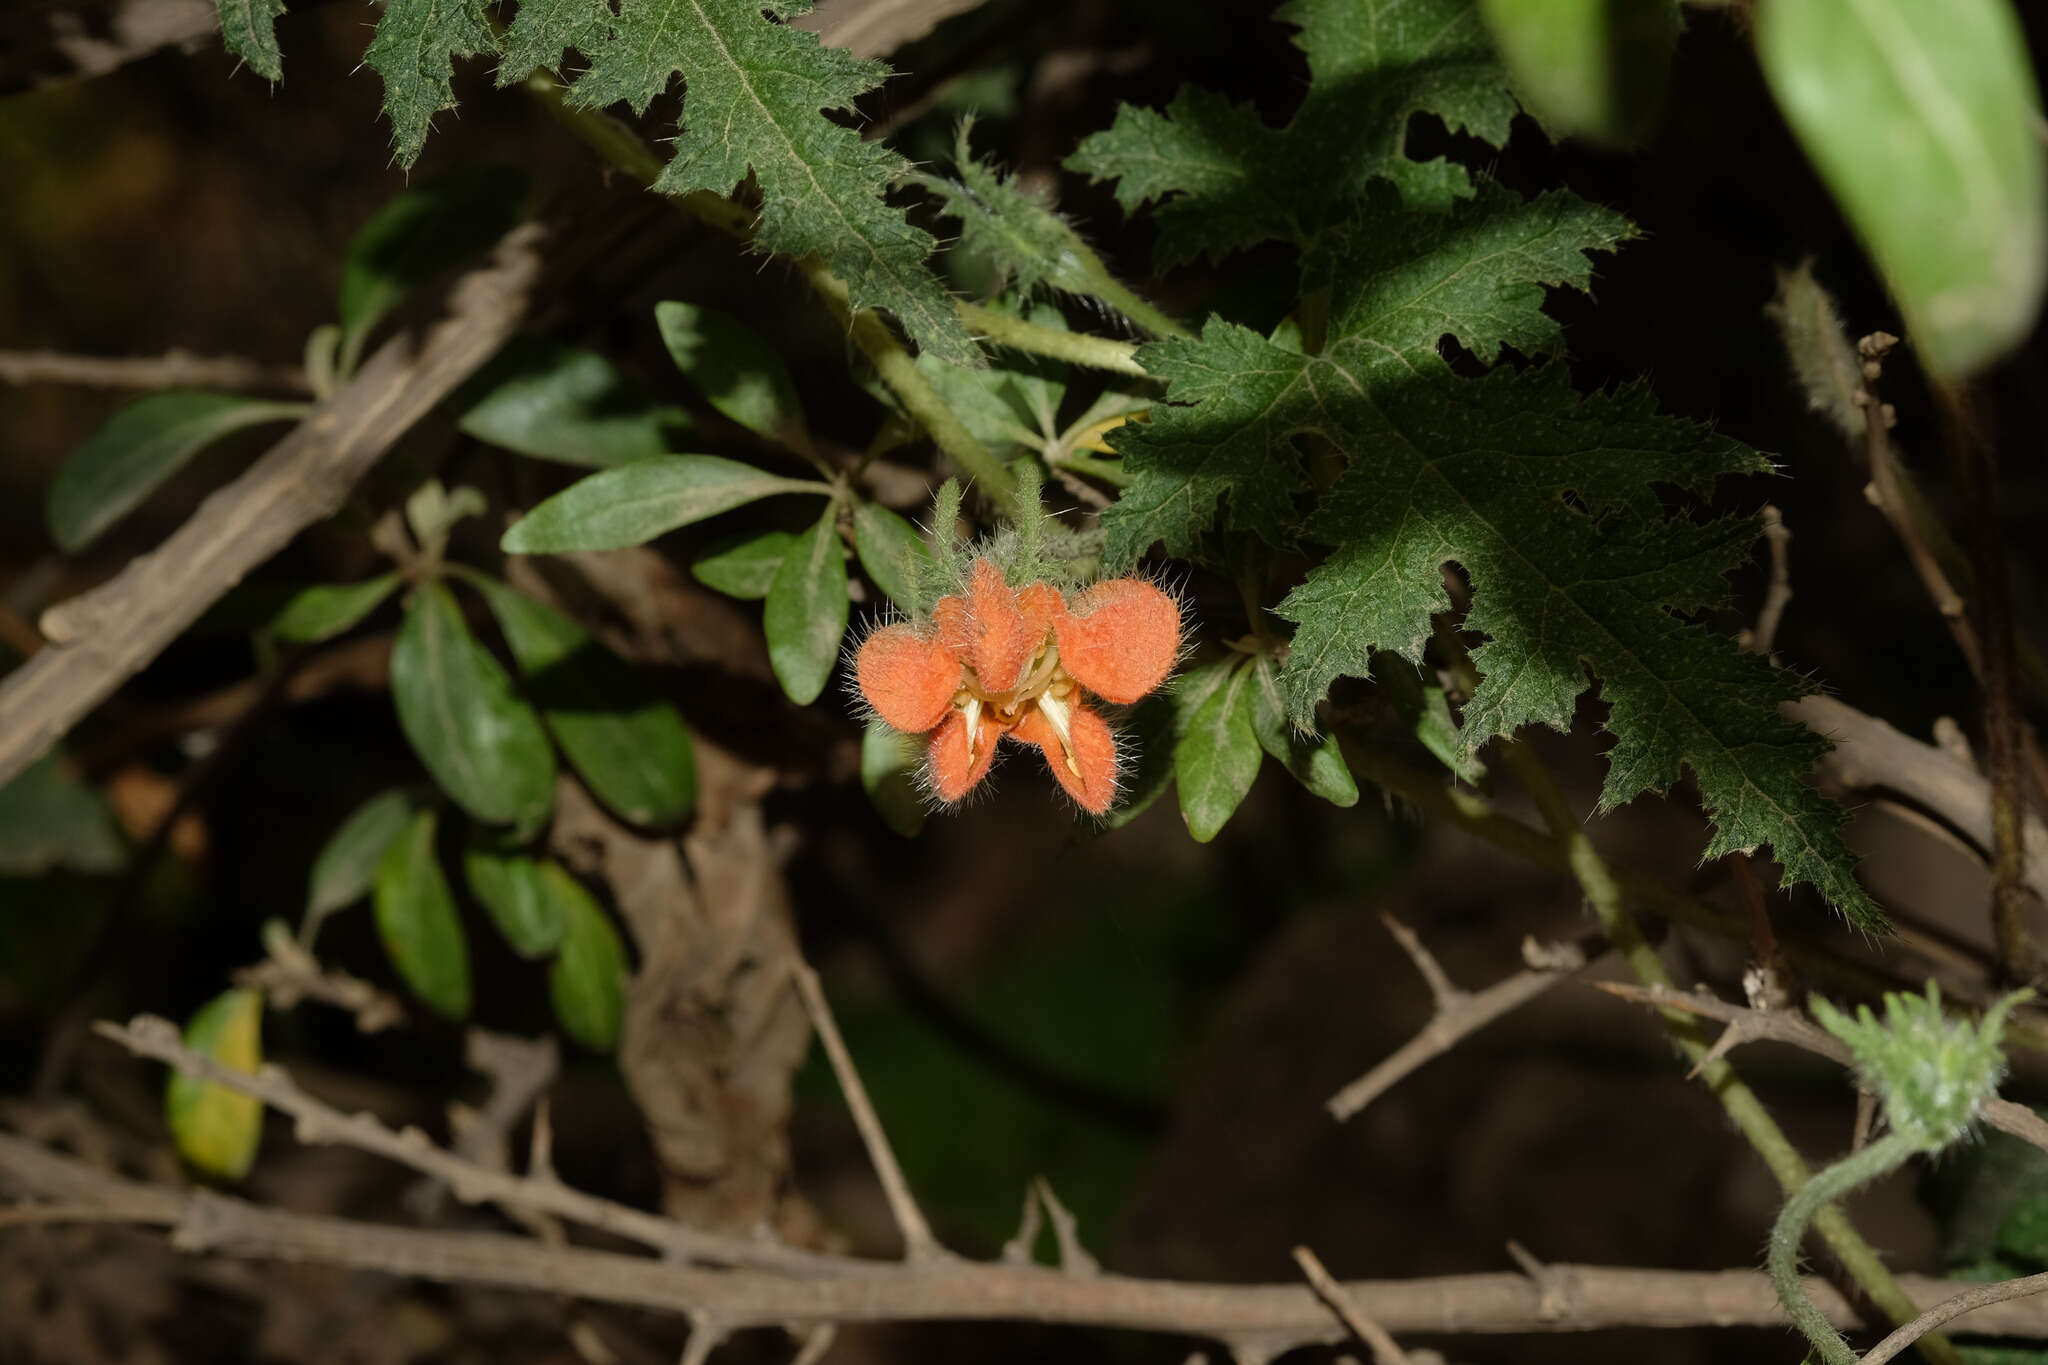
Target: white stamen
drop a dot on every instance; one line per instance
(973, 713)
(1061, 716)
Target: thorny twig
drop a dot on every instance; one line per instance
(1457, 1016)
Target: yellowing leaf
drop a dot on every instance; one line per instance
(215, 1128)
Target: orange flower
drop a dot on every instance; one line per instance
(999, 661)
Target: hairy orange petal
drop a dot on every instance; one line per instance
(1120, 639)
(955, 622)
(952, 771)
(908, 677)
(1007, 626)
(1091, 780)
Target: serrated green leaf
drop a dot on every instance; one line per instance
(543, 30)
(1315, 760)
(889, 763)
(634, 503)
(743, 566)
(414, 51)
(893, 552)
(1217, 756)
(1398, 283)
(249, 28)
(416, 920)
(1925, 122)
(484, 746)
(588, 978)
(557, 402)
(1588, 68)
(421, 232)
(737, 371)
(50, 819)
(1228, 180)
(325, 610)
(520, 900)
(629, 746)
(806, 613)
(756, 93)
(218, 1129)
(137, 449)
(347, 863)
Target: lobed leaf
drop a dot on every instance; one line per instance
(414, 51)
(249, 28)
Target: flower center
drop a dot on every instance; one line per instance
(1044, 685)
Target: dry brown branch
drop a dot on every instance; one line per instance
(1066, 1232)
(919, 1245)
(1949, 1310)
(1778, 592)
(1458, 1015)
(157, 1038)
(43, 42)
(1746, 1025)
(99, 640)
(1385, 1351)
(174, 369)
(875, 28)
(1584, 1298)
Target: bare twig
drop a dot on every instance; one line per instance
(919, 1245)
(1599, 1297)
(150, 1036)
(1459, 1014)
(1778, 592)
(1746, 1025)
(1949, 1310)
(1018, 1250)
(174, 369)
(290, 975)
(1066, 1233)
(1385, 1351)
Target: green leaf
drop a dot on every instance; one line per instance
(416, 920)
(484, 746)
(543, 30)
(1315, 760)
(893, 552)
(737, 371)
(743, 566)
(1426, 712)
(634, 503)
(806, 614)
(1588, 68)
(218, 1130)
(1148, 734)
(757, 90)
(519, 899)
(137, 449)
(1398, 283)
(414, 51)
(588, 979)
(1217, 758)
(249, 28)
(420, 233)
(889, 763)
(50, 819)
(1924, 120)
(1227, 180)
(347, 863)
(325, 610)
(552, 401)
(629, 746)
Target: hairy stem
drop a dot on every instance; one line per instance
(1076, 348)
(628, 151)
(1137, 308)
(1816, 1196)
